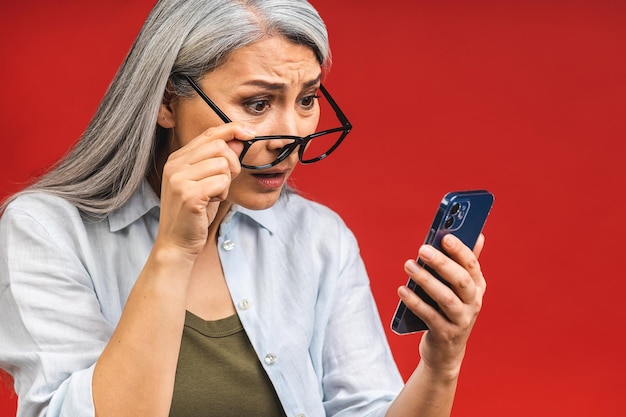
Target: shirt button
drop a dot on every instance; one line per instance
(270, 359)
(244, 304)
(300, 415)
(228, 245)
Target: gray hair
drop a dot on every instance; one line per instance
(192, 37)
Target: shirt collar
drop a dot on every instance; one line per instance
(265, 218)
(143, 201)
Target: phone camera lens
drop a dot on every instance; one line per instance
(449, 222)
(455, 208)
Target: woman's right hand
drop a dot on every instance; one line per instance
(195, 179)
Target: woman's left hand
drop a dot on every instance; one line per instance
(443, 346)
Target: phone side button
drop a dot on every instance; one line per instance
(431, 236)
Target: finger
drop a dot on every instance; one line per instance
(447, 300)
(195, 193)
(465, 257)
(480, 243)
(193, 182)
(206, 168)
(212, 179)
(215, 188)
(231, 133)
(204, 146)
(451, 270)
(217, 152)
(422, 309)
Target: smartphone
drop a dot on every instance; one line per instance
(462, 213)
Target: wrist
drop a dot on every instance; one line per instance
(169, 267)
(440, 363)
(171, 256)
(440, 373)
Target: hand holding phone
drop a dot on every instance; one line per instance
(461, 213)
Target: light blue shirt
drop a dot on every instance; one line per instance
(294, 273)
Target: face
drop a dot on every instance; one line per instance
(269, 86)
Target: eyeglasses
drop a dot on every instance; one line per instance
(311, 148)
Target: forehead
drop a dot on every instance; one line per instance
(272, 58)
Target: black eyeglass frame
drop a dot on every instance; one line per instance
(298, 141)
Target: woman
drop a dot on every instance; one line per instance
(165, 268)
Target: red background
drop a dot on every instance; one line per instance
(525, 99)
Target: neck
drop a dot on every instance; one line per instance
(214, 227)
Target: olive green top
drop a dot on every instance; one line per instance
(219, 373)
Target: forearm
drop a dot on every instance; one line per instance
(427, 393)
(135, 374)
(430, 390)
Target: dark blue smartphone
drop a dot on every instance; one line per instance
(462, 213)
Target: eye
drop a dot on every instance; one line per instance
(308, 102)
(257, 107)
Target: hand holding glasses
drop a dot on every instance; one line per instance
(311, 148)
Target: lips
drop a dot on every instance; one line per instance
(270, 180)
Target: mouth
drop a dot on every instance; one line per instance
(269, 174)
(270, 180)
(272, 172)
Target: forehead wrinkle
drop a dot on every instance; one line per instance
(276, 86)
(284, 63)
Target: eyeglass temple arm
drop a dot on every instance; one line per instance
(208, 101)
(342, 117)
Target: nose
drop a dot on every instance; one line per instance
(278, 144)
(290, 120)
(284, 124)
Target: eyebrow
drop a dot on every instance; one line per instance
(280, 86)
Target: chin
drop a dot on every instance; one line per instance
(257, 201)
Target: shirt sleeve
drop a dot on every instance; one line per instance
(360, 374)
(52, 329)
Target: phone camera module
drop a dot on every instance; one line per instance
(455, 208)
(449, 222)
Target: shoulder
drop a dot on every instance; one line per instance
(42, 207)
(41, 213)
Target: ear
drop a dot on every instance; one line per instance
(166, 115)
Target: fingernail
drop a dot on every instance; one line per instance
(448, 240)
(426, 252)
(412, 267)
(403, 292)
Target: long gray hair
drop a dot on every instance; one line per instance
(116, 151)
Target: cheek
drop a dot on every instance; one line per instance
(192, 119)
(313, 123)
(184, 132)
